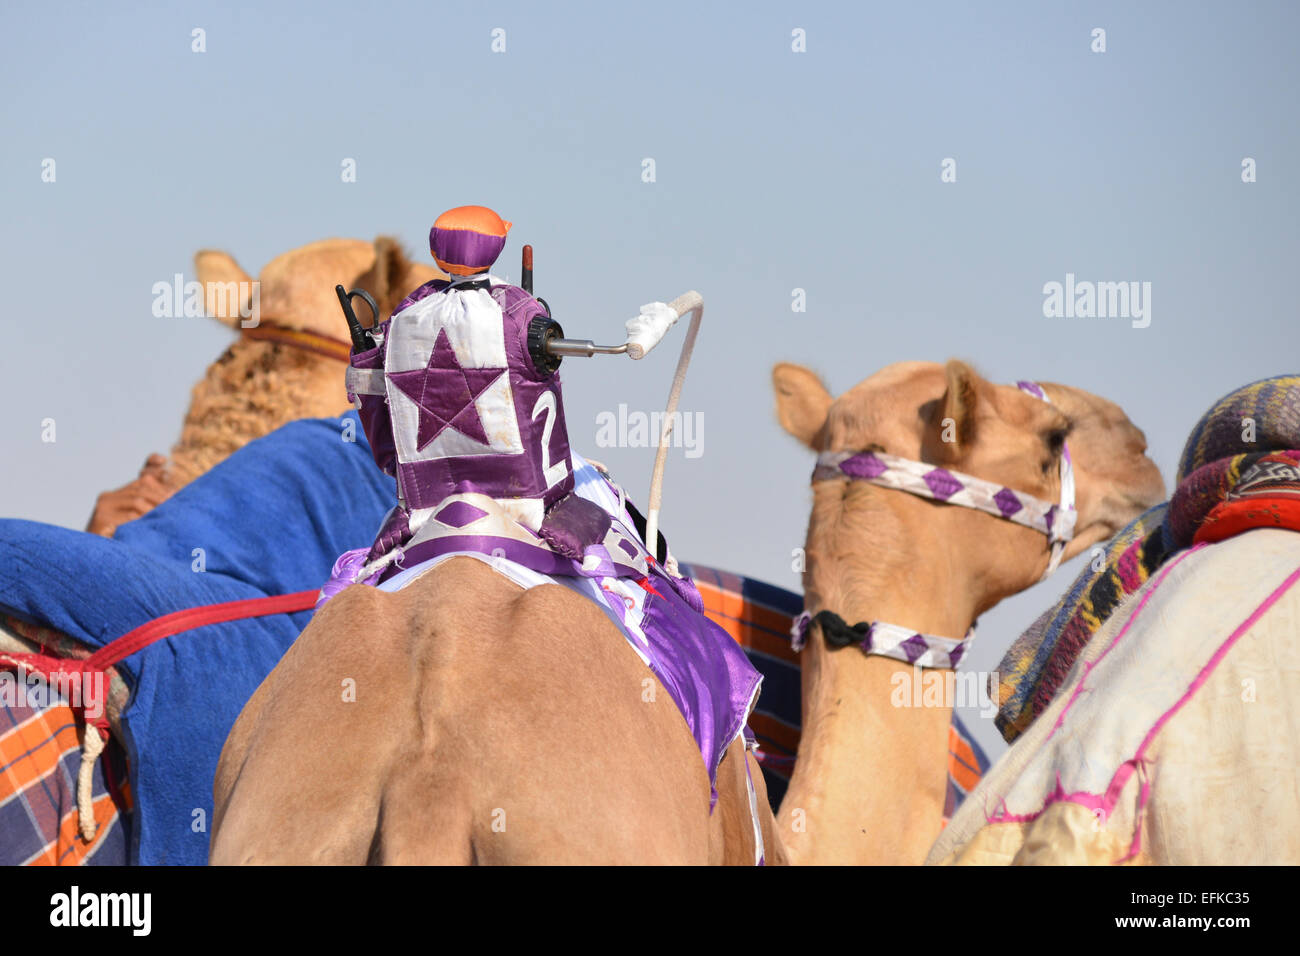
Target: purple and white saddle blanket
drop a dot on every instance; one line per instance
(660, 614)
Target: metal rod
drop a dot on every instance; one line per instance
(526, 282)
(584, 347)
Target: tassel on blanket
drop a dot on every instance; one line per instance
(56, 671)
(92, 745)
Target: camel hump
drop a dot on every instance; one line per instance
(458, 617)
(430, 688)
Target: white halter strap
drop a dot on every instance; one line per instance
(1055, 521)
(885, 640)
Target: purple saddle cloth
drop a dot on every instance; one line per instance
(705, 672)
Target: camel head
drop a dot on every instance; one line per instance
(296, 289)
(862, 536)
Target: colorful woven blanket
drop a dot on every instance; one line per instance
(1239, 469)
(40, 756)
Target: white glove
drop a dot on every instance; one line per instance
(646, 330)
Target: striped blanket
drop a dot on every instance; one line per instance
(40, 756)
(40, 753)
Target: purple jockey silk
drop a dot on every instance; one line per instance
(572, 524)
(705, 672)
(465, 247)
(521, 453)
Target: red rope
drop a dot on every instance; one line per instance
(169, 625)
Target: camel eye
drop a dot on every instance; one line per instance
(1055, 440)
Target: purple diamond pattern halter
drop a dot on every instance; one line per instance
(1055, 521)
(900, 643)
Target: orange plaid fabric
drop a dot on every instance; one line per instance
(40, 754)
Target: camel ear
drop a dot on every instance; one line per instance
(802, 403)
(227, 288)
(387, 280)
(959, 405)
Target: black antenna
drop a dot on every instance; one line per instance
(362, 340)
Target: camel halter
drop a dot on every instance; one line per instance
(314, 342)
(1056, 521)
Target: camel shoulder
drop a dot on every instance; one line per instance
(461, 600)
(460, 630)
(465, 615)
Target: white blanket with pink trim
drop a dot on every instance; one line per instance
(1176, 737)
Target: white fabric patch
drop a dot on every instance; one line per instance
(365, 381)
(473, 323)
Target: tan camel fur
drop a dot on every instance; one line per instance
(869, 782)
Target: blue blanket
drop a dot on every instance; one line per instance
(304, 495)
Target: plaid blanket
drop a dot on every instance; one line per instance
(40, 753)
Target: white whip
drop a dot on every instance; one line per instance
(691, 302)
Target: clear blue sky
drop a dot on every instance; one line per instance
(775, 170)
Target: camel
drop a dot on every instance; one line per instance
(474, 737)
(1171, 738)
(868, 784)
(288, 366)
(478, 703)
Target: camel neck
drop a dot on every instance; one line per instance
(871, 775)
(253, 389)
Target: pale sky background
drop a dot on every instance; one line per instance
(775, 170)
